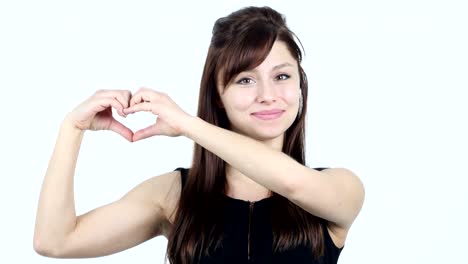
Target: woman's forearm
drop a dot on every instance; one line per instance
(56, 216)
(261, 163)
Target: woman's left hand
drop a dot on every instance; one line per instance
(171, 120)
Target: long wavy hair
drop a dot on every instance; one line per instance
(240, 41)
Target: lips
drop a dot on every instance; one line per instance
(268, 114)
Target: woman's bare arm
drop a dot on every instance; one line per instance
(133, 219)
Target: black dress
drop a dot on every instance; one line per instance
(239, 214)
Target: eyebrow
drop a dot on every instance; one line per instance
(279, 66)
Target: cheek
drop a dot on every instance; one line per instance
(242, 102)
(292, 95)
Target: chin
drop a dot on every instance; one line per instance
(266, 135)
(264, 132)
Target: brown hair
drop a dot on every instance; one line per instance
(240, 41)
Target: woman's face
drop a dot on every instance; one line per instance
(273, 85)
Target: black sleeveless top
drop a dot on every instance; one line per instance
(238, 247)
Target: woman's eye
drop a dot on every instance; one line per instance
(245, 81)
(283, 77)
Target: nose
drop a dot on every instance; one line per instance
(266, 92)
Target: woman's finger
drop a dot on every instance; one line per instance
(105, 102)
(143, 95)
(123, 96)
(146, 95)
(120, 129)
(146, 133)
(149, 107)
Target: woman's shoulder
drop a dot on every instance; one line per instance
(165, 193)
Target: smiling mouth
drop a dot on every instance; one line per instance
(268, 116)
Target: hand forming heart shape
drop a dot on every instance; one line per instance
(96, 113)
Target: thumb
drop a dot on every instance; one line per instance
(120, 129)
(146, 132)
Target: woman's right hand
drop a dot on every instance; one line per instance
(95, 113)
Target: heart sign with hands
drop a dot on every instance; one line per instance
(171, 118)
(95, 113)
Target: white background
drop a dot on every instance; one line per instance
(387, 100)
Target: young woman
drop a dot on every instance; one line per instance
(247, 197)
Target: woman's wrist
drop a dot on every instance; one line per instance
(67, 124)
(190, 125)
